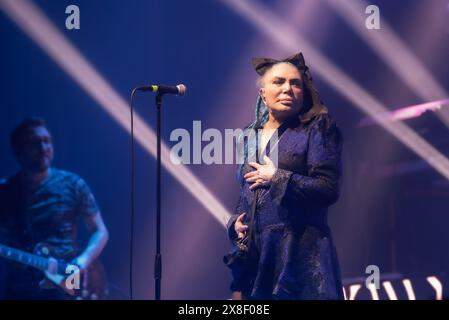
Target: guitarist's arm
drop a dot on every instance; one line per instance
(91, 216)
(98, 238)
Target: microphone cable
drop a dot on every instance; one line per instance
(131, 242)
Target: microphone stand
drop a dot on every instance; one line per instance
(158, 257)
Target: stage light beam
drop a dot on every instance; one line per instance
(290, 40)
(387, 44)
(42, 31)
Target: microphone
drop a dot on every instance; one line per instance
(179, 90)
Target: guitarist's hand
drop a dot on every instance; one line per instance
(52, 265)
(82, 263)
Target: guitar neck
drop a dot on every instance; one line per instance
(24, 257)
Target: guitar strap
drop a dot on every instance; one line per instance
(14, 213)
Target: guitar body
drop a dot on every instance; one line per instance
(91, 284)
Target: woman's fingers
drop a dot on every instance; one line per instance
(239, 227)
(251, 174)
(255, 165)
(242, 228)
(240, 217)
(252, 179)
(259, 183)
(254, 186)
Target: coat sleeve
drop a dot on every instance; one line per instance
(322, 183)
(230, 225)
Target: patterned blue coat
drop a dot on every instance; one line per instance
(295, 255)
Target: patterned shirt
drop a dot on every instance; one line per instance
(49, 213)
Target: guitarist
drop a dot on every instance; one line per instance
(44, 204)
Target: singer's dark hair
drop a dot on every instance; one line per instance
(19, 133)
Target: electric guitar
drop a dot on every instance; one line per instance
(91, 284)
